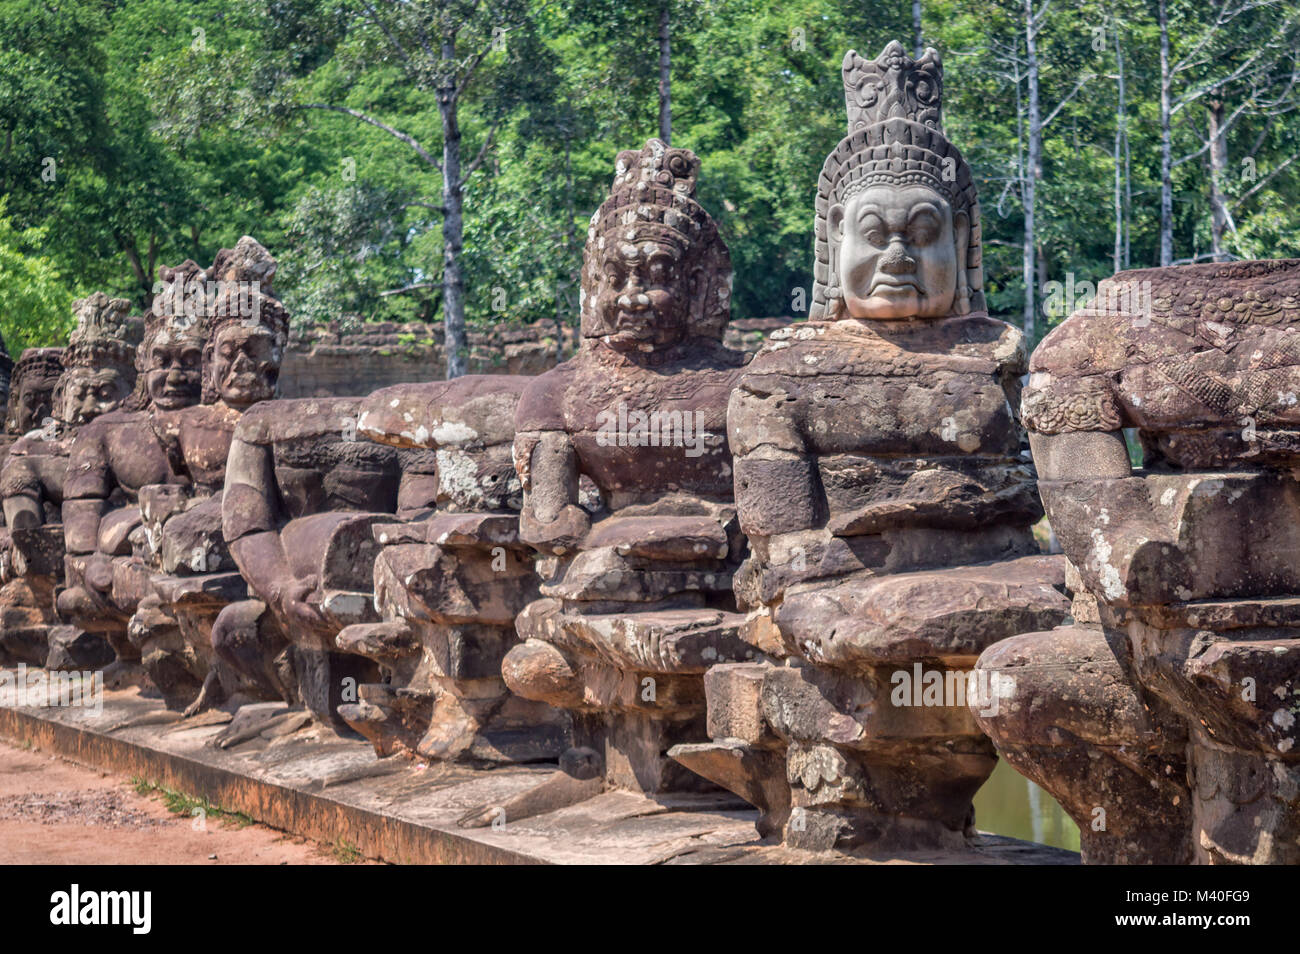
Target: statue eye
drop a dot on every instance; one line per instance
(923, 229)
(874, 232)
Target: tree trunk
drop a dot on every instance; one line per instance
(1218, 169)
(133, 256)
(918, 41)
(1120, 130)
(1166, 143)
(1033, 170)
(453, 226)
(564, 303)
(665, 70)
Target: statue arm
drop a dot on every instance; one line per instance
(547, 463)
(86, 492)
(20, 488)
(1080, 455)
(250, 521)
(777, 487)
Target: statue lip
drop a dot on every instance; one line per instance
(633, 321)
(893, 283)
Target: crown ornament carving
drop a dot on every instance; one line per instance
(893, 86)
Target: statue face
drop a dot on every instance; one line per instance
(897, 253)
(91, 392)
(35, 403)
(174, 377)
(642, 296)
(246, 364)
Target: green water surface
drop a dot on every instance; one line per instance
(1010, 804)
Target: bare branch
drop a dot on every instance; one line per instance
(482, 153)
(410, 288)
(395, 133)
(1059, 106)
(1262, 182)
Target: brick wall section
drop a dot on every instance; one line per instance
(327, 362)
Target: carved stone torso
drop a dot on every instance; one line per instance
(199, 440)
(118, 451)
(617, 412)
(318, 469)
(1203, 359)
(37, 466)
(867, 428)
(922, 388)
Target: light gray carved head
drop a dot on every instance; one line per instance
(897, 227)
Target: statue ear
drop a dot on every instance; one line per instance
(835, 222)
(961, 240)
(697, 286)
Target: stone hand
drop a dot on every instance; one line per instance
(562, 535)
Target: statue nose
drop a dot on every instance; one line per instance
(896, 261)
(633, 298)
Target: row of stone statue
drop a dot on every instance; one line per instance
(672, 569)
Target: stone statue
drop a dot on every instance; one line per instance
(627, 486)
(185, 574)
(449, 581)
(29, 412)
(31, 391)
(1164, 719)
(26, 597)
(98, 374)
(98, 377)
(303, 492)
(881, 482)
(116, 456)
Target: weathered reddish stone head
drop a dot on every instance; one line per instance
(171, 356)
(31, 388)
(655, 271)
(99, 362)
(248, 328)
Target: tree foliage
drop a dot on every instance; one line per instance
(173, 128)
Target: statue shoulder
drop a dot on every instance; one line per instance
(542, 405)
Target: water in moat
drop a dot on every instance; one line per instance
(1010, 804)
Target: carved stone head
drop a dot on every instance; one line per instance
(898, 232)
(249, 328)
(99, 362)
(171, 358)
(31, 389)
(655, 271)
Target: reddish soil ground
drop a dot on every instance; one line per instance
(56, 812)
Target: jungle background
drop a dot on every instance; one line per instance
(439, 159)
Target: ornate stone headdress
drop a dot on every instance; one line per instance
(654, 194)
(895, 137)
(178, 308)
(106, 336)
(236, 300)
(35, 364)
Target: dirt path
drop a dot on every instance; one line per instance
(56, 812)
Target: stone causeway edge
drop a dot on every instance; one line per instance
(320, 788)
